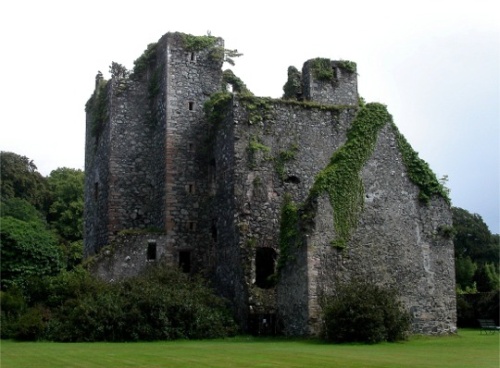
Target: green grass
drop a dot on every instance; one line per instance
(466, 349)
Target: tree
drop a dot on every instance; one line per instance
(66, 203)
(28, 249)
(465, 269)
(473, 238)
(19, 178)
(477, 252)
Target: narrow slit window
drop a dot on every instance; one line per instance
(96, 191)
(213, 230)
(190, 188)
(191, 105)
(191, 225)
(192, 56)
(151, 256)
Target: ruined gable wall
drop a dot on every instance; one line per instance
(397, 243)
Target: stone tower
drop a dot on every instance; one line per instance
(277, 201)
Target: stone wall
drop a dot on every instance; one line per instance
(341, 89)
(397, 243)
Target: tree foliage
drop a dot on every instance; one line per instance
(20, 178)
(477, 253)
(66, 205)
(28, 250)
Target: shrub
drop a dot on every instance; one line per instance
(362, 312)
(161, 304)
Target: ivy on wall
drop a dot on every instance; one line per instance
(96, 107)
(341, 178)
(419, 171)
(289, 230)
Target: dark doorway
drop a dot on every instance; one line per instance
(264, 267)
(151, 250)
(185, 261)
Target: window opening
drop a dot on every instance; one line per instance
(191, 105)
(191, 225)
(264, 267)
(192, 56)
(185, 261)
(151, 250)
(214, 230)
(190, 188)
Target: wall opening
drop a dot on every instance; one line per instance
(151, 255)
(292, 179)
(213, 230)
(191, 225)
(265, 259)
(190, 188)
(192, 56)
(191, 105)
(185, 261)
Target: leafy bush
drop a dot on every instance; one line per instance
(362, 312)
(162, 304)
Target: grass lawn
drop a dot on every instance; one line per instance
(466, 349)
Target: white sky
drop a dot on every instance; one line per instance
(434, 63)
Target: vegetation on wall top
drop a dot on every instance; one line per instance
(419, 171)
(322, 69)
(96, 107)
(146, 59)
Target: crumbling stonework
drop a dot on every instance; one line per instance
(169, 182)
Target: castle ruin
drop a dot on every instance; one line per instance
(276, 201)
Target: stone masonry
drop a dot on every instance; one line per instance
(166, 183)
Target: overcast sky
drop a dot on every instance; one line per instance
(435, 64)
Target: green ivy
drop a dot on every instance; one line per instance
(341, 180)
(147, 57)
(258, 108)
(283, 157)
(350, 66)
(322, 69)
(293, 85)
(254, 146)
(419, 171)
(289, 230)
(216, 107)
(228, 77)
(197, 43)
(96, 107)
